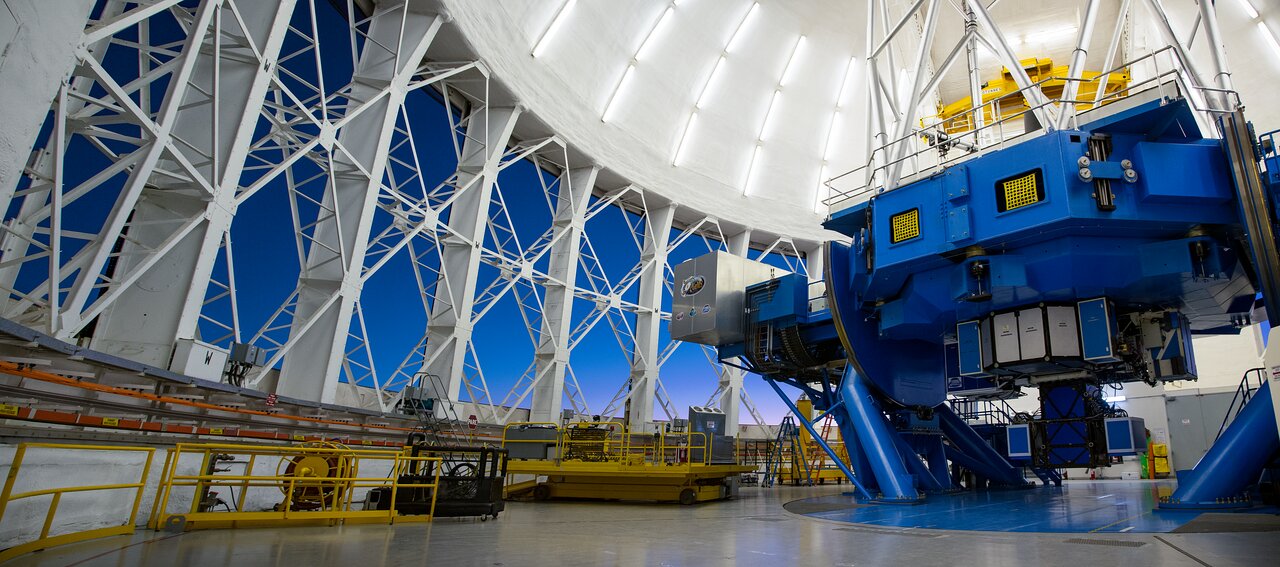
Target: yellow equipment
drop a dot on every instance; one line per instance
(320, 482)
(604, 461)
(1160, 458)
(1002, 99)
(820, 466)
(44, 540)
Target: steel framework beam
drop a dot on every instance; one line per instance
(330, 282)
(644, 361)
(552, 354)
(449, 327)
(175, 233)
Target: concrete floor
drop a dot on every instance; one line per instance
(752, 530)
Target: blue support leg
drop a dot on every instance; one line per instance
(937, 457)
(1235, 460)
(819, 440)
(923, 476)
(968, 442)
(857, 457)
(876, 439)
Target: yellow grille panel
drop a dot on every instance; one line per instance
(1021, 191)
(904, 226)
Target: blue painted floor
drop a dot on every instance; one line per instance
(1076, 507)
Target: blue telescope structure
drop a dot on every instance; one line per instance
(1063, 264)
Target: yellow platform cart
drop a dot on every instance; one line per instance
(604, 461)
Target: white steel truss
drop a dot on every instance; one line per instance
(175, 117)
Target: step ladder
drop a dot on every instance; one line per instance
(788, 442)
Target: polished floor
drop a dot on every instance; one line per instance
(1075, 507)
(755, 529)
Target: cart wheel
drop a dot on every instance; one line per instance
(541, 492)
(484, 518)
(688, 497)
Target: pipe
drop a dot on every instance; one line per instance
(819, 440)
(1111, 51)
(967, 441)
(1209, 16)
(903, 145)
(1076, 70)
(876, 438)
(1236, 459)
(1038, 102)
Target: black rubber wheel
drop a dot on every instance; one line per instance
(688, 497)
(541, 492)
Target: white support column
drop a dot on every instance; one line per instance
(449, 326)
(552, 356)
(147, 319)
(644, 361)
(731, 378)
(329, 284)
(39, 41)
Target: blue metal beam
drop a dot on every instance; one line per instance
(819, 440)
(972, 445)
(876, 438)
(1235, 460)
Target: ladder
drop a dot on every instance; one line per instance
(439, 424)
(819, 455)
(788, 442)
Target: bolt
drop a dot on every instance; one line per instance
(1083, 162)
(1085, 174)
(1130, 175)
(1126, 164)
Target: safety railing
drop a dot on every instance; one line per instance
(610, 442)
(1168, 80)
(44, 540)
(1249, 384)
(318, 483)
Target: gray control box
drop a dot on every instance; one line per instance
(708, 300)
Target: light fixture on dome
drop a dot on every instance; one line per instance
(737, 32)
(1271, 38)
(550, 32)
(786, 71)
(613, 99)
(1249, 9)
(684, 137)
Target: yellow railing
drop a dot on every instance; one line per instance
(618, 445)
(45, 540)
(330, 495)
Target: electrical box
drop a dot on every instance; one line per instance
(1126, 436)
(1064, 333)
(531, 441)
(1098, 329)
(198, 360)
(245, 353)
(711, 423)
(708, 303)
(974, 347)
(1004, 331)
(1019, 441)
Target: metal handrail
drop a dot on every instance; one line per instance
(44, 540)
(1155, 82)
(1243, 393)
(340, 505)
(622, 446)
